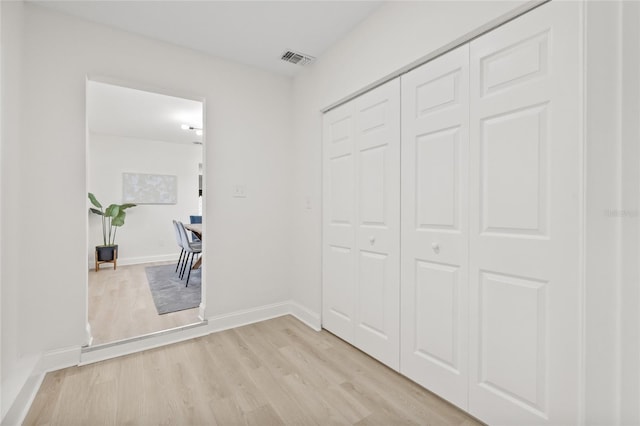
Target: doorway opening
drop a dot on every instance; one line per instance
(145, 157)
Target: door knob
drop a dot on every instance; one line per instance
(372, 240)
(435, 247)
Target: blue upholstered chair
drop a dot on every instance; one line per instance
(195, 219)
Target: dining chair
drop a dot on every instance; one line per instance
(179, 242)
(191, 248)
(195, 219)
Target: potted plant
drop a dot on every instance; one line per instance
(112, 218)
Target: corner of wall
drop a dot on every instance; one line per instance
(19, 389)
(306, 315)
(25, 382)
(14, 370)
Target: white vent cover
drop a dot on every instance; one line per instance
(297, 57)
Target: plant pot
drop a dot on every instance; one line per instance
(106, 253)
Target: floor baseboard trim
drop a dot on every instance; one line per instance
(142, 343)
(306, 315)
(25, 386)
(138, 260)
(59, 359)
(20, 407)
(248, 316)
(49, 361)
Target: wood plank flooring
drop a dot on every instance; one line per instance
(270, 373)
(121, 305)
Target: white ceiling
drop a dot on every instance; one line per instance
(250, 32)
(121, 111)
(255, 33)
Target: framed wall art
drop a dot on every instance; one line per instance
(141, 188)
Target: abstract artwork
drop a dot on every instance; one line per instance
(140, 188)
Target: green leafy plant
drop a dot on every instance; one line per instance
(112, 218)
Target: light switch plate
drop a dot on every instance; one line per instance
(239, 191)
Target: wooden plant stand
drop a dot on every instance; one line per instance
(114, 260)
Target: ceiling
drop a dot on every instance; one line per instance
(255, 33)
(120, 111)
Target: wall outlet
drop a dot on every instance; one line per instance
(239, 191)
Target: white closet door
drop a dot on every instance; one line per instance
(361, 224)
(435, 147)
(339, 217)
(525, 230)
(378, 227)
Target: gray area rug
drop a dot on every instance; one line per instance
(169, 292)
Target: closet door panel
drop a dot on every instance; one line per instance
(378, 226)
(339, 210)
(525, 219)
(361, 224)
(435, 113)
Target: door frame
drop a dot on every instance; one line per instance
(182, 332)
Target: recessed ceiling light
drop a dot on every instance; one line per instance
(185, 127)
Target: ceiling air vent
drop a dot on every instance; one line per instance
(297, 57)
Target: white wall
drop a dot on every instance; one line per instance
(1, 118)
(44, 245)
(612, 295)
(1, 204)
(394, 36)
(630, 227)
(605, 304)
(602, 150)
(16, 362)
(147, 234)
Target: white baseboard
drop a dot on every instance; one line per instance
(59, 359)
(49, 361)
(18, 389)
(248, 316)
(124, 261)
(148, 259)
(306, 315)
(211, 325)
(263, 313)
(142, 343)
(21, 404)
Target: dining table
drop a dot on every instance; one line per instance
(196, 228)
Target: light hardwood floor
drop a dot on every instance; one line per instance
(121, 305)
(274, 372)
